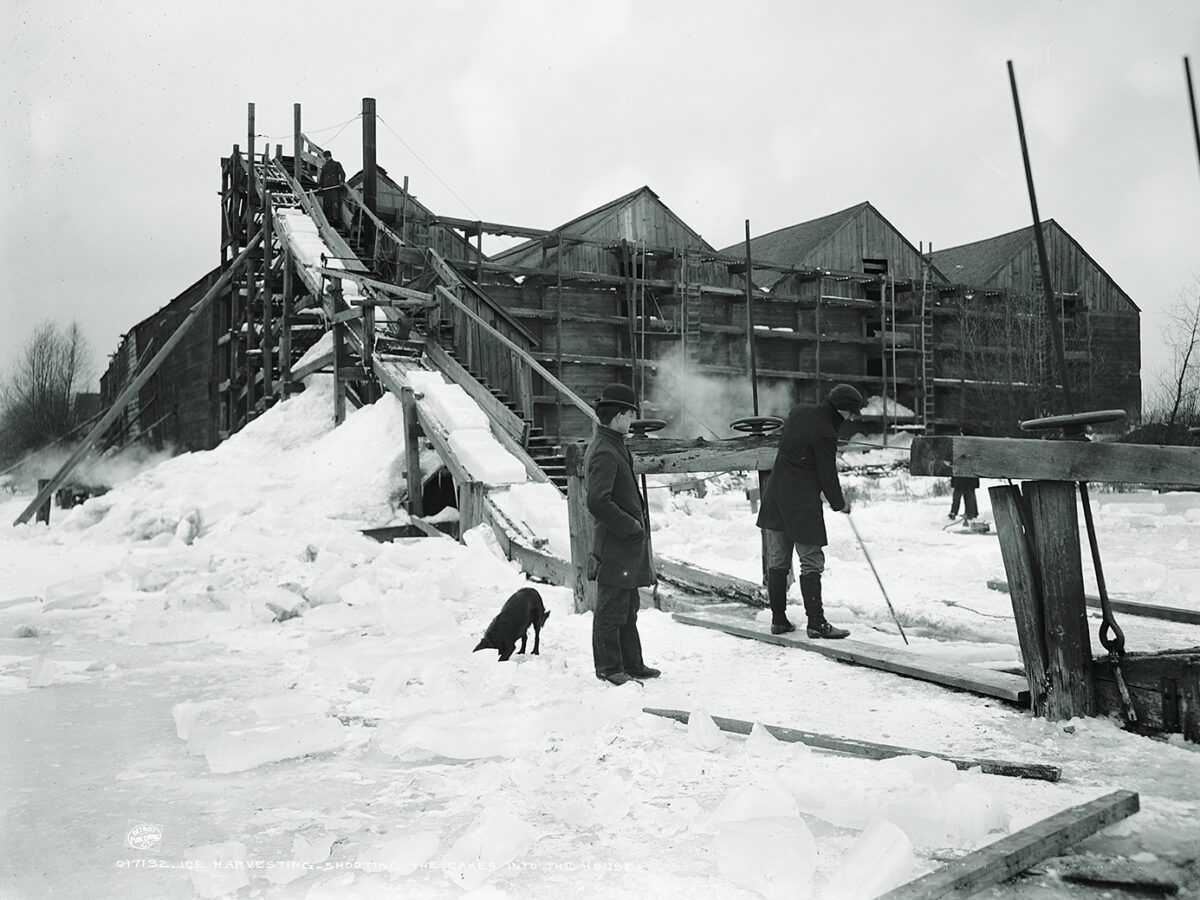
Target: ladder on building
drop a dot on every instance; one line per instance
(928, 408)
(691, 321)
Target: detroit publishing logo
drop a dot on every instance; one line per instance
(143, 835)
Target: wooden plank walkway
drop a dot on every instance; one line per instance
(1148, 610)
(962, 676)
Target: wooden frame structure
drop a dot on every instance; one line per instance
(1037, 524)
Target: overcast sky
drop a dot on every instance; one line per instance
(116, 115)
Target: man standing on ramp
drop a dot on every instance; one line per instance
(791, 515)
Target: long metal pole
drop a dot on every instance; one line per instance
(753, 362)
(878, 580)
(1043, 260)
(1187, 69)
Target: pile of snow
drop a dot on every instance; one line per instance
(878, 405)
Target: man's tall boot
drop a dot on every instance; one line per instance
(777, 595)
(814, 609)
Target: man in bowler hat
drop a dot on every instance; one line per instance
(791, 515)
(620, 557)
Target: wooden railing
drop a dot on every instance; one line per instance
(503, 355)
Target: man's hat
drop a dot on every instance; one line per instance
(618, 395)
(846, 399)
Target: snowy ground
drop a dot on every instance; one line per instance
(164, 736)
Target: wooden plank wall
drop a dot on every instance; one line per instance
(177, 405)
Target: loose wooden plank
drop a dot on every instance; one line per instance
(1006, 857)
(870, 749)
(975, 679)
(1129, 607)
(1038, 460)
(696, 578)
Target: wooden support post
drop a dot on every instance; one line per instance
(249, 343)
(1055, 526)
(581, 526)
(285, 328)
(339, 361)
(412, 452)
(472, 498)
(268, 298)
(1024, 589)
(43, 511)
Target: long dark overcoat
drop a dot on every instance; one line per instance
(805, 468)
(620, 543)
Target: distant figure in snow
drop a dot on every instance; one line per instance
(963, 488)
(329, 186)
(791, 515)
(620, 556)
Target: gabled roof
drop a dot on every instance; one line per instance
(794, 244)
(979, 262)
(595, 224)
(800, 245)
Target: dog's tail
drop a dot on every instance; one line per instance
(482, 645)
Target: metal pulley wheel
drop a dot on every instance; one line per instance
(645, 426)
(756, 424)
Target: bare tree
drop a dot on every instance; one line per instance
(38, 398)
(1174, 403)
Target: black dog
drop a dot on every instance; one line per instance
(522, 609)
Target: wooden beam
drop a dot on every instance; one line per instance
(871, 750)
(962, 676)
(1008, 856)
(1047, 460)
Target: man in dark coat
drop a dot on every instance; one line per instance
(791, 514)
(329, 185)
(620, 559)
(963, 488)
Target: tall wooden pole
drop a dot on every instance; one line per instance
(750, 355)
(1043, 260)
(369, 182)
(297, 143)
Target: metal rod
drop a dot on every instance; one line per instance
(1043, 260)
(882, 589)
(1187, 69)
(753, 362)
